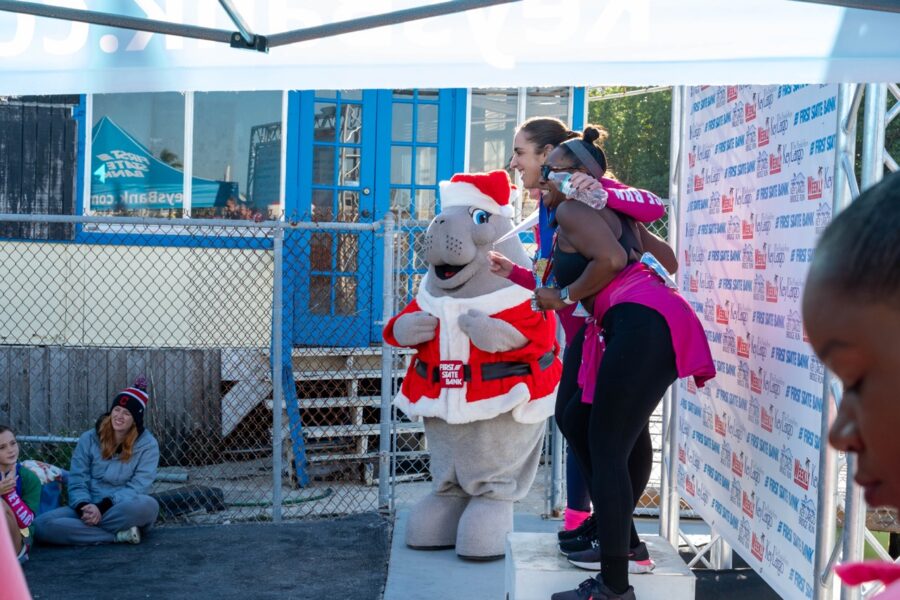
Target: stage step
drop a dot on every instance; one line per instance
(535, 570)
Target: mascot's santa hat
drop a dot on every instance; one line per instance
(492, 192)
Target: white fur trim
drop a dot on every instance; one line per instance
(452, 405)
(514, 401)
(461, 193)
(537, 410)
(504, 298)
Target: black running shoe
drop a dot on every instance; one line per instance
(579, 543)
(586, 526)
(593, 589)
(639, 561)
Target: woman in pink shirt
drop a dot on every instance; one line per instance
(851, 309)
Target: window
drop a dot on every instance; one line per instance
(497, 112)
(493, 126)
(337, 176)
(495, 115)
(142, 154)
(414, 153)
(414, 178)
(137, 155)
(548, 102)
(237, 155)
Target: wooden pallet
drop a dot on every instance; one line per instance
(339, 396)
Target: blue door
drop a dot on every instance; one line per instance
(331, 272)
(352, 157)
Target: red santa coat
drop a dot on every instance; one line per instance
(530, 397)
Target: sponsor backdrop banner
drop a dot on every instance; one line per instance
(756, 193)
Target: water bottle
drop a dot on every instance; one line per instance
(593, 198)
(650, 260)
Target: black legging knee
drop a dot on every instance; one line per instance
(640, 460)
(568, 382)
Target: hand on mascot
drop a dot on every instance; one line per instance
(489, 334)
(415, 328)
(547, 298)
(499, 264)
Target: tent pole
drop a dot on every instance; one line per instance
(113, 20)
(382, 20)
(238, 20)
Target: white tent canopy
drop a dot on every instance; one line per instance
(528, 43)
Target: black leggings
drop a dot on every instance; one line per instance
(611, 436)
(578, 489)
(572, 418)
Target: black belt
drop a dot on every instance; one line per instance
(489, 371)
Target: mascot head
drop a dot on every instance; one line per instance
(476, 211)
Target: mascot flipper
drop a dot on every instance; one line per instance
(484, 375)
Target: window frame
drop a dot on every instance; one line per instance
(202, 233)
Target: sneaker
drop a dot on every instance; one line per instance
(639, 561)
(23, 554)
(593, 589)
(579, 543)
(132, 535)
(586, 526)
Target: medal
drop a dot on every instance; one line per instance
(540, 269)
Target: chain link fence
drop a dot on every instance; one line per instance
(206, 311)
(202, 310)
(410, 476)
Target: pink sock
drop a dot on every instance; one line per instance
(574, 518)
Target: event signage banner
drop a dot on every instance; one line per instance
(756, 191)
(125, 177)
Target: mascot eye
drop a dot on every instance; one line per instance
(480, 217)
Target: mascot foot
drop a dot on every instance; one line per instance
(481, 535)
(433, 522)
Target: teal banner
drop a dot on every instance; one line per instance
(126, 177)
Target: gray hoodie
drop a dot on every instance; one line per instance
(93, 479)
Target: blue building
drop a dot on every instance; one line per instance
(346, 156)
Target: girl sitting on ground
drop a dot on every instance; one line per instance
(112, 470)
(20, 490)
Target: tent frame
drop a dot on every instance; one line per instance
(244, 38)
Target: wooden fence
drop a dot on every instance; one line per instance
(62, 391)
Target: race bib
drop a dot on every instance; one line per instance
(452, 374)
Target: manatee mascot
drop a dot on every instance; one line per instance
(484, 375)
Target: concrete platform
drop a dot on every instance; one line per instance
(535, 570)
(441, 575)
